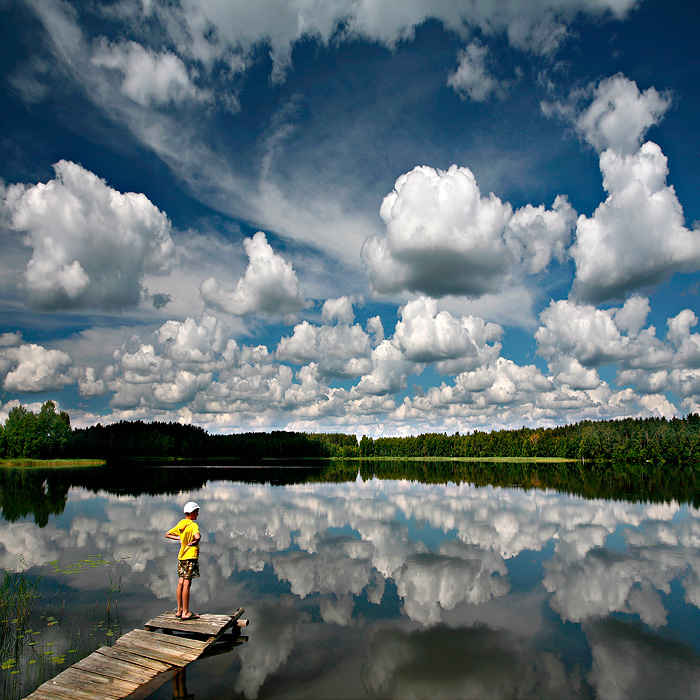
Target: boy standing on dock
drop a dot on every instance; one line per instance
(187, 532)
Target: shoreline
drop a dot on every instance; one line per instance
(25, 463)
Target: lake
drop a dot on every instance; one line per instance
(364, 587)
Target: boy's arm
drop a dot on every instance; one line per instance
(172, 536)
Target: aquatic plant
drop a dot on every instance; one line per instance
(35, 639)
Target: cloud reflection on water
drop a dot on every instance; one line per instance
(326, 552)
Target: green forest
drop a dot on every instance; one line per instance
(48, 435)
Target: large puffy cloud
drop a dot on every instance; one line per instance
(28, 367)
(576, 339)
(342, 350)
(149, 77)
(637, 236)
(170, 371)
(458, 574)
(620, 115)
(500, 383)
(443, 237)
(455, 344)
(91, 245)
(389, 371)
(538, 235)
(269, 286)
(589, 334)
(195, 341)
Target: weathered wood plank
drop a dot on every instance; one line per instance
(115, 668)
(211, 617)
(110, 687)
(57, 691)
(42, 693)
(194, 627)
(233, 621)
(159, 655)
(149, 664)
(160, 652)
(166, 639)
(207, 623)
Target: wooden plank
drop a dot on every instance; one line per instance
(167, 618)
(207, 623)
(115, 668)
(48, 691)
(159, 655)
(150, 664)
(232, 622)
(168, 640)
(53, 690)
(109, 687)
(160, 652)
(193, 626)
(41, 693)
(170, 615)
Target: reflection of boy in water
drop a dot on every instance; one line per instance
(180, 685)
(187, 532)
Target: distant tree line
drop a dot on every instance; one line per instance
(130, 439)
(628, 440)
(632, 440)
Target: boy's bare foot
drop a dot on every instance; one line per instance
(191, 616)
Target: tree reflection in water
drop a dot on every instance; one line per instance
(443, 580)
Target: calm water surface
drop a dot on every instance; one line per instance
(373, 588)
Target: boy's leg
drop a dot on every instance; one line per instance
(178, 594)
(186, 584)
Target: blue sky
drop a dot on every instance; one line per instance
(373, 217)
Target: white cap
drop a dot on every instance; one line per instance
(190, 507)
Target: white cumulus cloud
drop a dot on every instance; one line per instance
(443, 237)
(425, 335)
(269, 285)
(91, 245)
(620, 115)
(28, 367)
(637, 236)
(341, 350)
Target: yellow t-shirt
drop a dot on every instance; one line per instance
(186, 530)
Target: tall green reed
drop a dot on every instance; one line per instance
(36, 640)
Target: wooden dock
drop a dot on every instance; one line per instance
(141, 660)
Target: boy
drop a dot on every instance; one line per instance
(187, 532)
